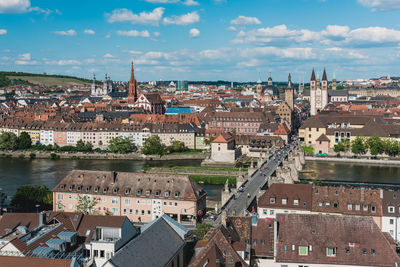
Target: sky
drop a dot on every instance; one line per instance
(234, 40)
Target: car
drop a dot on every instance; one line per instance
(240, 189)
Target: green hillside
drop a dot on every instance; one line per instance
(16, 78)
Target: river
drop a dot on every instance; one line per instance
(17, 172)
(350, 172)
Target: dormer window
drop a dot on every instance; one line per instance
(127, 191)
(62, 186)
(79, 188)
(296, 202)
(157, 193)
(70, 187)
(176, 194)
(166, 194)
(148, 192)
(139, 192)
(272, 200)
(394, 196)
(87, 188)
(115, 190)
(105, 189)
(284, 201)
(96, 189)
(391, 209)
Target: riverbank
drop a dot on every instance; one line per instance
(363, 161)
(101, 156)
(193, 170)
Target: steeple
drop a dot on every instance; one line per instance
(289, 81)
(317, 75)
(324, 77)
(259, 79)
(132, 93)
(313, 75)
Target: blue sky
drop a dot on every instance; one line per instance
(201, 39)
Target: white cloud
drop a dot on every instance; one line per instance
(194, 32)
(26, 56)
(66, 33)
(191, 3)
(15, 6)
(332, 34)
(108, 55)
(134, 33)
(242, 20)
(125, 15)
(381, 5)
(108, 36)
(3, 31)
(63, 62)
(186, 19)
(134, 52)
(89, 31)
(156, 34)
(26, 62)
(232, 28)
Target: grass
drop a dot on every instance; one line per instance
(201, 168)
(207, 179)
(49, 81)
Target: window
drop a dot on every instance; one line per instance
(364, 251)
(262, 241)
(114, 201)
(284, 201)
(310, 247)
(105, 190)
(373, 252)
(265, 211)
(391, 209)
(115, 190)
(337, 192)
(272, 200)
(271, 212)
(365, 207)
(357, 207)
(373, 209)
(101, 253)
(255, 241)
(157, 193)
(127, 191)
(303, 251)
(347, 250)
(139, 192)
(284, 248)
(176, 194)
(296, 202)
(95, 253)
(328, 204)
(331, 252)
(166, 194)
(96, 189)
(127, 201)
(148, 192)
(114, 211)
(319, 204)
(349, 206)
(335, 205)
(293, 247)
(391, 221)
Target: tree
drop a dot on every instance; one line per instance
(27, 197)
(120, 145)
(177, 146)
(202, 229)
(153, 146)
(309, 150)
(375, 145)
(84, 147)
(8, 141)
(24, 141)
(343, 145)
(86, 205)
(391, 147)
(358, 145)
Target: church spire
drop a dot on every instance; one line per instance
(132, 93)
(324, 77)
(289, 81)
(313, 75)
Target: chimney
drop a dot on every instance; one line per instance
(362, 194)
(230, 239)
(114, 177)
(41, 218)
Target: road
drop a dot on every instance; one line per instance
(239, 203)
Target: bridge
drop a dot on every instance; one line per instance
(238, 204)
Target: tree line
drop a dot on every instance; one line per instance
(374, 144)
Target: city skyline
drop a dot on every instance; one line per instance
(201, 40)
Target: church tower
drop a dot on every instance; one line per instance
(313, 88)
(132, 93)
(289, 93)
(324, 89)
(93, 88)
(334, 83)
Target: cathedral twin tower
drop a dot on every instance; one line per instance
(319, 92)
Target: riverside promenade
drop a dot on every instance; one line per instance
(386, 162)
